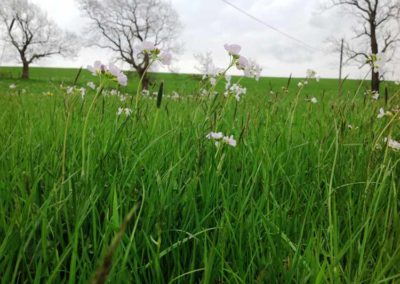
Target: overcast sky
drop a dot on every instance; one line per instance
(209, 24)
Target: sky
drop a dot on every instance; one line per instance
(209, 24)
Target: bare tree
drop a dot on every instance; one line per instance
(376, 33)
(121, 25)
(32, 34)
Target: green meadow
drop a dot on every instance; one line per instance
(310, 193)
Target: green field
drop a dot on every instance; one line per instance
(310, 194)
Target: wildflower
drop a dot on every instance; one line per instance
(48, 94)
(122, 79)
(12, 86)
(97, 68)
(300, 84)
(126, 111)
(252, 70)
(230, 141)
(215, 135)
(213, 81)
(83, 92)
(375, 95)
(112, 70)
(236, 90)
(382, 113)
(114, 92)
(311, 74)
(392, 143)
(314, 100)
(70, 90)
(219, 138)
(117, 73)
(166, 58)
(233, 49)
(148, 47)
(91, 85)
(175, 95)
(145, 93)
(242, 63)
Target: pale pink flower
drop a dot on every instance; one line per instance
(230, 141)
(122, 79)
(147, 46)
(242, 63)
(233, 49)
(166, 58)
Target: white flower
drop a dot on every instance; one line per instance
(215, 135)
(300, 84)
(233, 49)
(252, 70)
(145, 93)
(236, 90)
(311, 74)
(175, 95)
(381, 113)
(126, 111)
(213, 81)
(230, 141)
(392, 143)
(166, 58)
(314, 100)
(91, 85)
(12, 86)
(70, 90)
(83, 92)
(375, 95)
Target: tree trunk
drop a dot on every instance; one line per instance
(145, 80)
(25, 71)
(375, 82)
(375, 79)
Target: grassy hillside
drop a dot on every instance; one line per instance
(310, 193)
(49, 79)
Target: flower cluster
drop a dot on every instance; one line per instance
(382, 113)
(155, 53)
(395, 145)
(234, 90)
(126, 111)
(219, 138)
(249, 67)
(110, 71)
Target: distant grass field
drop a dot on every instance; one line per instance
(310, 194)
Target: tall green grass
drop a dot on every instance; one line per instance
(302, 198)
